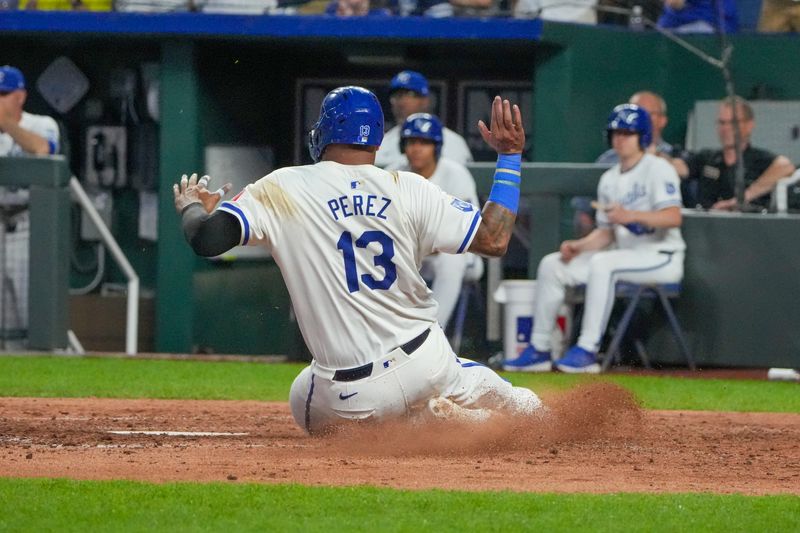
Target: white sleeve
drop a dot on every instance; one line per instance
(443, 223)
(47, 128)
(604, 198)
(666, 190)
(255, 220)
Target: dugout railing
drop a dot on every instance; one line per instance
(50, 183)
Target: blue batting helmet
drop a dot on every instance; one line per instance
(409, 80)
(631, 117)
(422, 126)
(348, 115)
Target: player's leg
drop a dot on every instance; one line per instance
(603, 269)
(300, 395)
(398, 384)
(552, 280)
(436, 372)
(447, 274)
(606, 269)
(476, 386)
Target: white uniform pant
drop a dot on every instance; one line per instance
(400, 384)
(446, 273)
(600, 271)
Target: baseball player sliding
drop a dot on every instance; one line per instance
(638, 239)
(349, 239)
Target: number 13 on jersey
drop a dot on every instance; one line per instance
(382, 260)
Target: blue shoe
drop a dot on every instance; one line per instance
(530, 360)
(578, 361)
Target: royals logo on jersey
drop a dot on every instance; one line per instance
(462, 205)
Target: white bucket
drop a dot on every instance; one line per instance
(519, 297)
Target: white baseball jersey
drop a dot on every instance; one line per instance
(454, 147)
(349, 241)
(651, 185)
(40, 125)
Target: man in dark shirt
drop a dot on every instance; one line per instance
(709, 176)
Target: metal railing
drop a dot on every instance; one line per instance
(132, 314)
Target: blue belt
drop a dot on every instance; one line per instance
(361, 372)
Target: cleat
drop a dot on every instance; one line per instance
(530, 360)
(446, 409)
(578, 361)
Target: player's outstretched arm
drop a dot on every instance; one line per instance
(507, 137)
(209, 232)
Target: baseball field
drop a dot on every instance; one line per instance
(141, 444)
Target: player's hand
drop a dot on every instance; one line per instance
(619, 215)
(725, 205)
(507, 135)
(6, 116)
(191, 190)
(568, 249)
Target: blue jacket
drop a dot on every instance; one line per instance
(707, 10)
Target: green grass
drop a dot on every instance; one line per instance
(691, 394)
(143, 378)
(63, 505)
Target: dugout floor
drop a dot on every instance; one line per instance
(597, 440)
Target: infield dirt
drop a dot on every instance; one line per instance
(595, 439)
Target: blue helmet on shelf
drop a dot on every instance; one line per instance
(348, 115)
(422, 126)
(631, 117)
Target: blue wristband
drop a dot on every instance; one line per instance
(505, 189)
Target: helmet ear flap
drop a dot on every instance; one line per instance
(313, 143)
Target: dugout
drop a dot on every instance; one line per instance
(239, 80)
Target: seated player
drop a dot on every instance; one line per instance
(637, 239)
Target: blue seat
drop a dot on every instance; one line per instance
(634, 293)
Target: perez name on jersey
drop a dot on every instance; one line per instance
(368, 205)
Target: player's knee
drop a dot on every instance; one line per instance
(549, 265)
(299, 396)
(599, 264)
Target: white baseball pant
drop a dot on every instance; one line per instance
(600, 271)
(400, 383)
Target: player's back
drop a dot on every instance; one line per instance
(348, 242)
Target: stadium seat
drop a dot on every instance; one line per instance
(633, 293)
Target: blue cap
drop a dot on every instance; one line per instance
(11, 79)
(410, 81)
